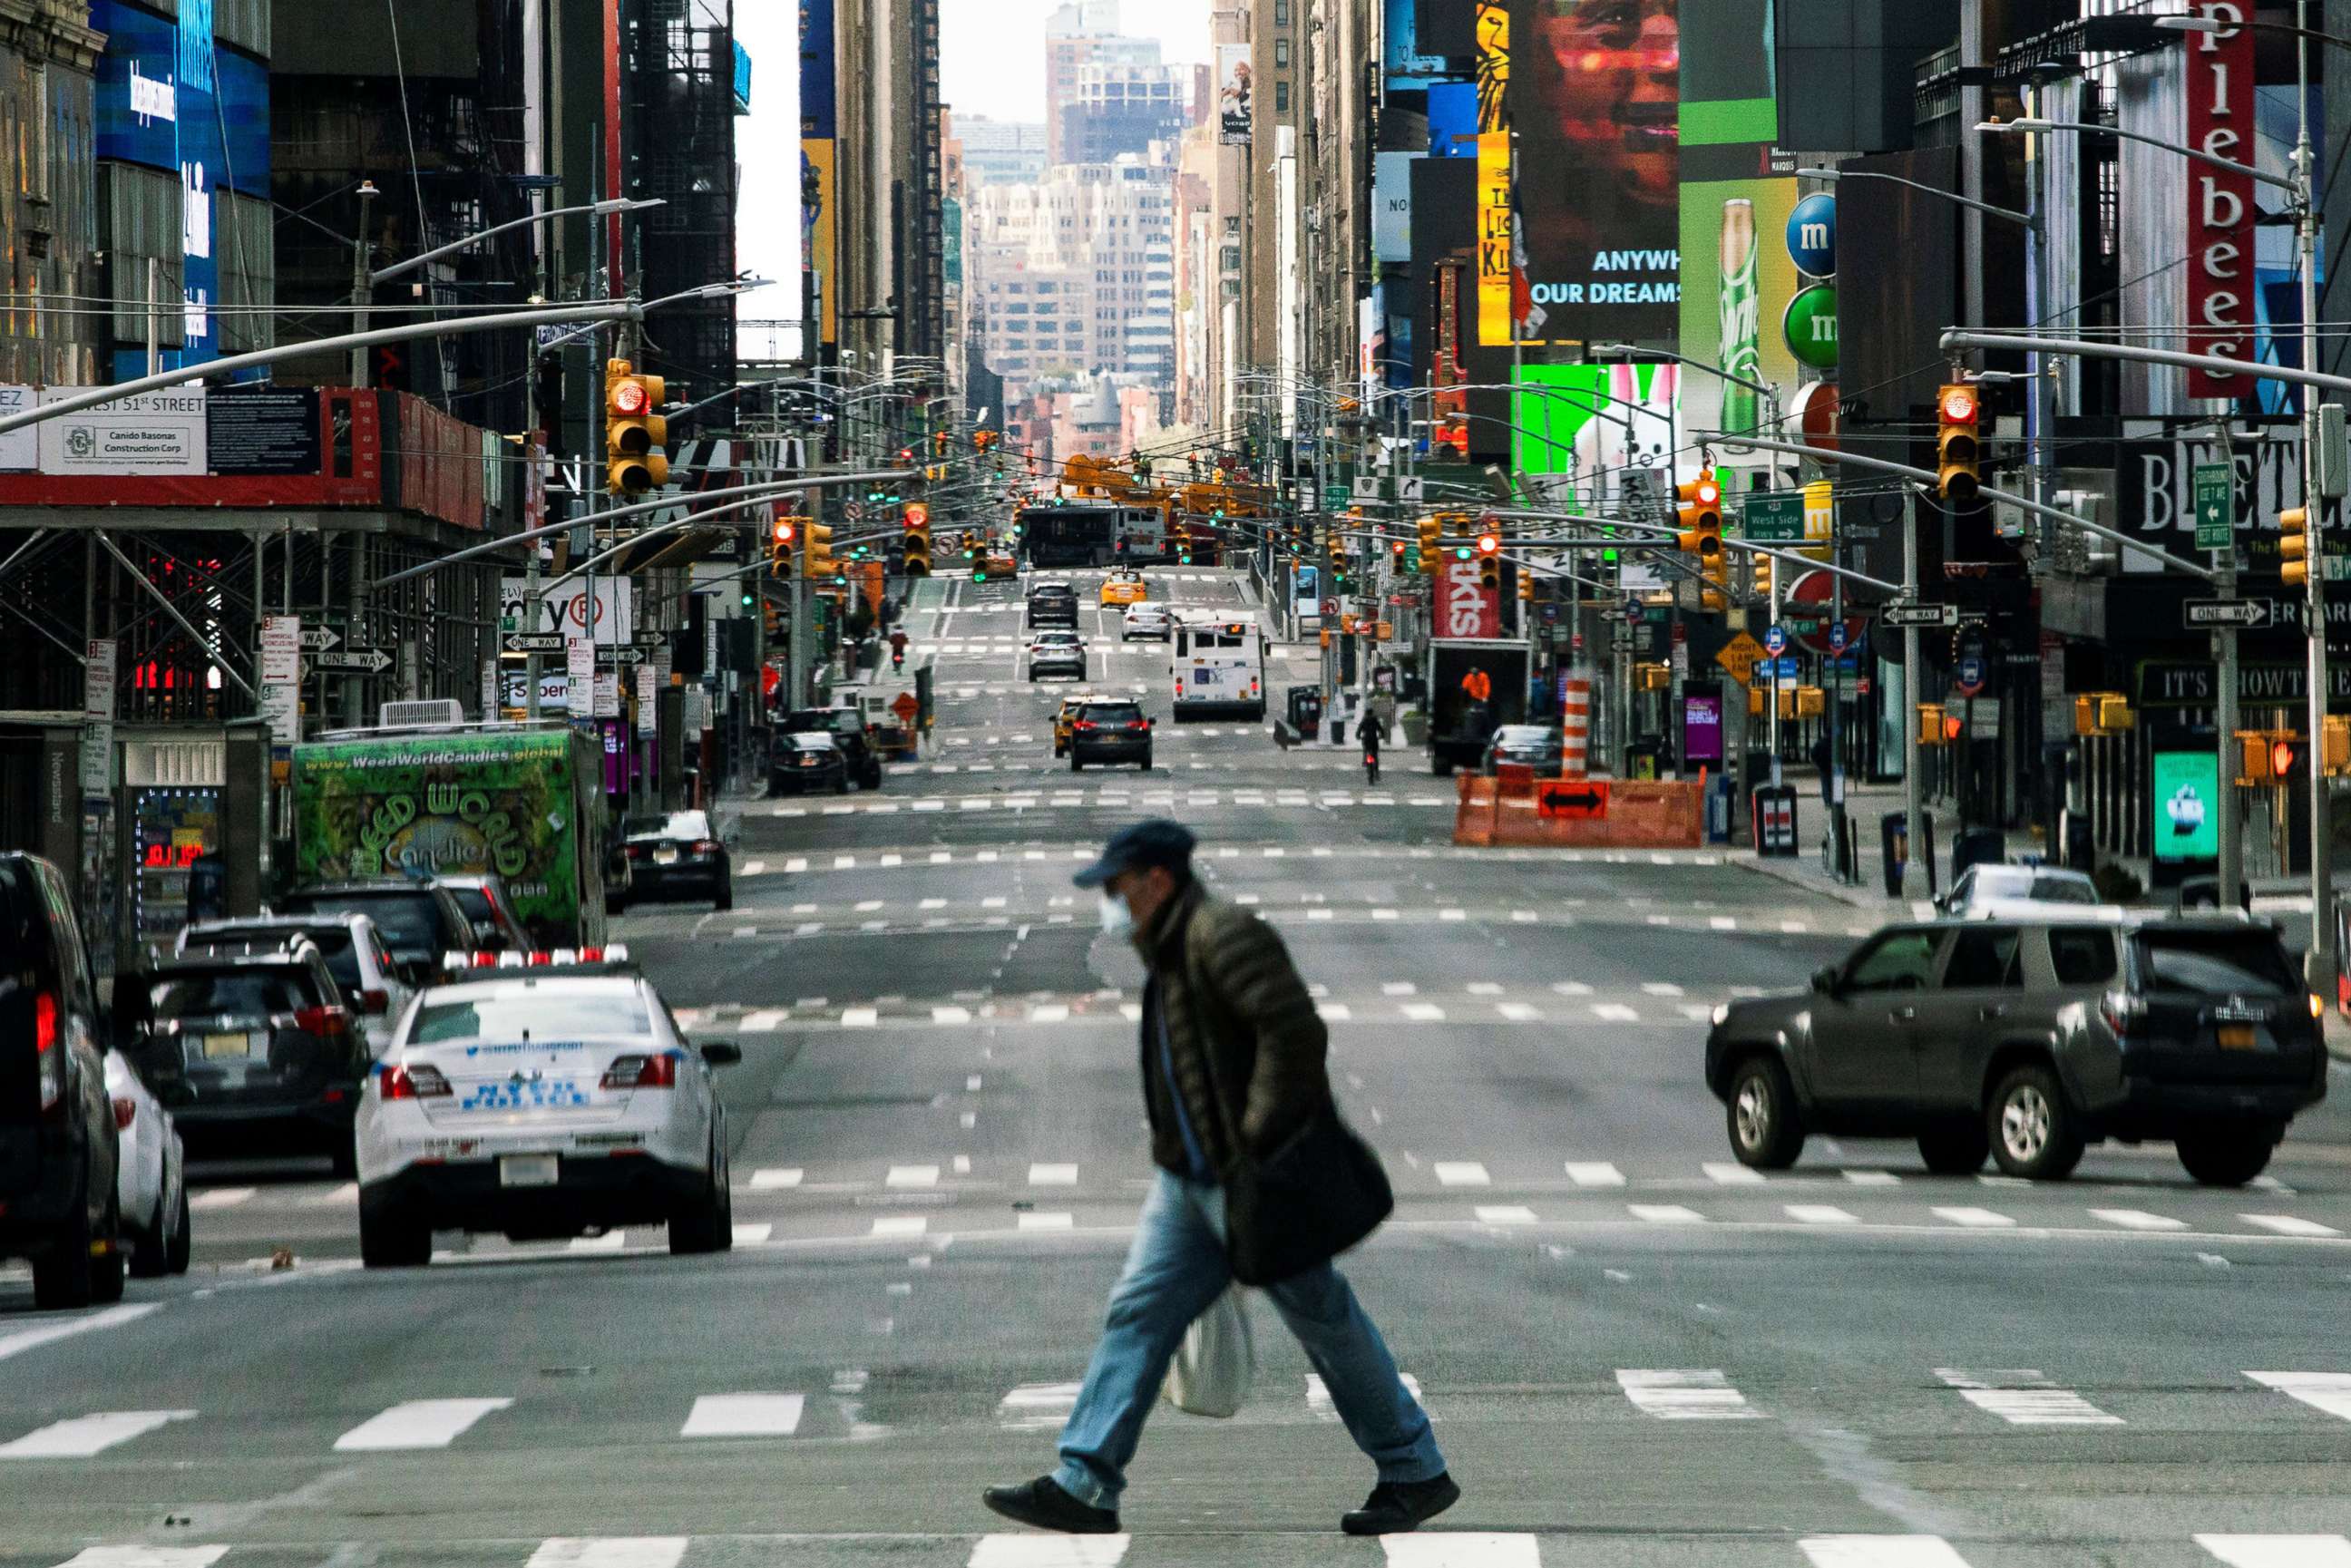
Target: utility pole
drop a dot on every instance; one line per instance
(2319, 970)
(359, 284)
(2224, 640)
(1913, 819)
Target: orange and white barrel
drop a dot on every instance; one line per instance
(1574, 726)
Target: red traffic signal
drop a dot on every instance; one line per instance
(630, 397)
(918, 515)
(783, 531)
(2282, 759)
(1490, 544)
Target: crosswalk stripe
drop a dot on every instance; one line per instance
(1975, 1219)
(1461, 1173)
(1423, 1012)
(145, 1557)
(1053, 1176)
(1666, 1214)
(221, 1197)
(911, 1175)
(901, 1225)
(1334, 1012)
(1819, 1214)
(1398, 988)
(1048, 1551)
(2025, 1397)
(1872, 1178)
(752, 1233)
(1318, 1392)
(744, 1415)
(1047, 1220)
(774, 1178)
(1504, 1214)
(79, 1437)
(1880, 1551)
(1615, 1012)
(1034, 1402)
(2327, 1391)
(1594, 1173)
(950, 1015)
(1519, 1012)
(859, 1018)
(1685, 1394)
(1727, 1173)
(610, 1241)
(1661, 988)
(2279, 1551)
(417, 1423)
(2138, 1220)
(1466, 1549)
(609, 1552)
(2289, 1225)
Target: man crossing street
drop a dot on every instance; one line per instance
(1233, 1066)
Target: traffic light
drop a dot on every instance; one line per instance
(634, 433)
(1183, 543)
(1432, 552)
(1700, 517)
(918, 539)
(783, 532)
(1959, 449)
(1489, 562)
(2281, 758)
(1526, 585)
(1762, 566)
(816, 559)
(2294, 546)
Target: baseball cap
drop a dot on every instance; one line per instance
(1155, 841)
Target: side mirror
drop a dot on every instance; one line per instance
(1824, 980)
(722, 1053)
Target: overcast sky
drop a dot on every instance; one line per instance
(992, 63)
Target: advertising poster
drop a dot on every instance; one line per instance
(1701, 726)
(1234, 102)
(1592, 423)
(2187, 801)
(817, 191)
(148, 432)
(1594, 91)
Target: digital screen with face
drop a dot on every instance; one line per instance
(1595, 97)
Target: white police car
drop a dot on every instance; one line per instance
(540, 1096)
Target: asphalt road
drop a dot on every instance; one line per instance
(1636, 1352)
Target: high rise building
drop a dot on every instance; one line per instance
(1078, 35)
(1001, 151)
(1120, 109)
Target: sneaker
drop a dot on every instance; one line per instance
(1394, 1506)
(1041, 1503)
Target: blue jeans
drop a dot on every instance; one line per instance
(1175, 1271)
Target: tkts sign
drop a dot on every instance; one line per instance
(1465, 607)
(2220, 201)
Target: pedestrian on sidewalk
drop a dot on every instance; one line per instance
(1233, 1066)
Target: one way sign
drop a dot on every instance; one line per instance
(2228, 612)
(353, 661)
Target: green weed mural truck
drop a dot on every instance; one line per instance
(522, 803)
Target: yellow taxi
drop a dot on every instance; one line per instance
(994, 565)
(1123, 587)
(1063, 717)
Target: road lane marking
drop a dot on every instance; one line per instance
(221, 1197)
(1046, 1220)
(767, 1021)
(2289, 1225)
(145, 1557)
(610, 1241)
(744, 1415)
(1053, 1176)
(1334, 1012)
(1461, 1173)
(1594, 1173)
(2025, 1397)
(2138, 1220)
(859, 1018)
(912, 1177)
(417, 1423)
(774, 1178)
(2279, 1551)
(1727, 1173)
(2327, 1391)
(901, 1225)
(752, 1233)
(79, 1437)
(113, 1317)
(609, 1552)
(1048, 1551)
(1872, 1178)
(1819, 1214)
(1423, 1012)
(1975, 1219)
(1519, 1012)
(950, 1015)
(1880, 1551)
(1684, 1394)
(1504, 1214)
(1615, 1012)
(1666, 1214)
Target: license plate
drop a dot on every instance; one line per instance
(664, 857)
(217, 1046)
(527, 1170)
(2237, 1037)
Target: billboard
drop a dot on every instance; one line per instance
(817, 193)
(167, 96)
(2219, 87)
(1234, 102)
(1594, 422)
(1593, 92)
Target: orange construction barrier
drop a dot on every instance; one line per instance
(1631, 813)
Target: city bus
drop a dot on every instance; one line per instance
(1216, 665)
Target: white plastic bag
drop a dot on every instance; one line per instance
(1210, 1375)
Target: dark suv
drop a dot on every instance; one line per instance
(59, 1148)
(2028, 1039)
(419, 921)
(848, 731)
(246, 1050)
(1110, 732)
(1052, 604)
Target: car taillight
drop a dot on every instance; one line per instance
(2317, 1006)
(1139, 724)
(1083, 724)
(124, 1109)
(327, 1021)
(422, 1082)
(2122, 1011)
(706, 846)
(375, 1003)
(637, 852)
(52, 1062)
(482, 959)
(642, 1072)
(808, 762)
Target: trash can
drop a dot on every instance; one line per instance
(1306, 708)
(1894, 844)
(1977, 846)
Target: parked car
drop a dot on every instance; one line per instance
(1536, 746)
(1988, 889)
(808, 764)
(354, 950)
(681, 855)
(1110, 731)
(255, 1054)
(2030, 1039)
(59, 1148)
(849, 725)
(1150, 619)
(485, 901)
(152, 1184)
(420, 922)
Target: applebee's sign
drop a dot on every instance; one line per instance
(2220, 83)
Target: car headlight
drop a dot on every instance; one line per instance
(1721, 1015)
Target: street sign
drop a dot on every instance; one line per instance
(315, 639)
(650, 639)
(532, 643)
(1906, 612)
(353, 660)
(1838, 637)
(2215, 490)
(906, 708)
(1573, 799)
(617, 657)
(1775, 641)
(1551, 614)
(1773, 518)
(1969, 675)
(2227, 612)
(1738, 657)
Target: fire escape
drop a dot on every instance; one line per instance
(679, 119)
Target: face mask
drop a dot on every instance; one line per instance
(1117, 919)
